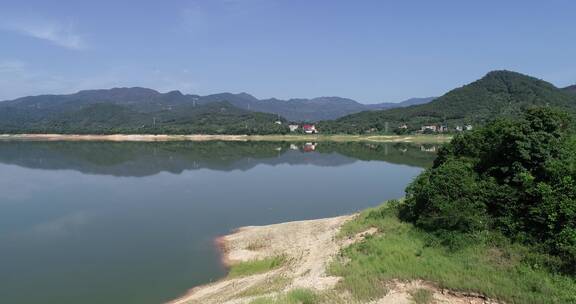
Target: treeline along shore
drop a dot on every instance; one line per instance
(203, 137)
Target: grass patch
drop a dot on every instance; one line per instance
(496, 269)
(422, 296)
(274, 284)
(296, 296)
(302, 296)
(383, 218)
(256, 266)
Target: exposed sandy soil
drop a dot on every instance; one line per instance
(400, 293)
(309, 246)
(199, 137)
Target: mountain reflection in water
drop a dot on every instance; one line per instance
(143, 159)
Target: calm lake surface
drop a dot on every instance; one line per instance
(90, 222)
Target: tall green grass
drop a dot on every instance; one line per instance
(256, 266)
(497, 269)
(272, 284)
(422, 296)
(296, 296)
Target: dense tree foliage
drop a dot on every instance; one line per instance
(498, 94)
(570, 89)
(517, 177)
(109, 118)
(460, 205)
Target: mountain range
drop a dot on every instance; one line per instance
(132, 115)
(497, 94)
(141, 110)
(144, 100)
(571, 89)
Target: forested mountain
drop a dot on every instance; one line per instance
(315, 109)
(499, 93)
(148, 100)
(141, 110)
(164, 113)
(571, 89)
(402, 104)
(304, 109)
(301, 109)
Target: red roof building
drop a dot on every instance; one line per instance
(309, 129)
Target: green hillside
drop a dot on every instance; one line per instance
(570, 89)
(499, 93)
(107, 118)
(141, 110)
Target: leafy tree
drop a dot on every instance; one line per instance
(448, 197)
(520, 174)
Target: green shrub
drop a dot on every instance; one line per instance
(296, 296)
(514, 176)
(447, 198)
(422, 296)
(302, 296)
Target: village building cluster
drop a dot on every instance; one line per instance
(307, 128)
(439, 128)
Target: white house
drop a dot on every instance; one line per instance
(309, 129)
(432, 128)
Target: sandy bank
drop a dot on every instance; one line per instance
(200, 137)
(309, 247)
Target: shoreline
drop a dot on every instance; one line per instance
(309, 246)
(215, 137)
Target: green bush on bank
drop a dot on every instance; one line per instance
(517, 177)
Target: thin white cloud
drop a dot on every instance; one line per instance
(12, 66)
(58, 33)
(200, 15)
(18, 79)
(246, 5)
(193, 19)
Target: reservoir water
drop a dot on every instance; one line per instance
(107, 222)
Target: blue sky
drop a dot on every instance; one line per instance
(370, 51)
